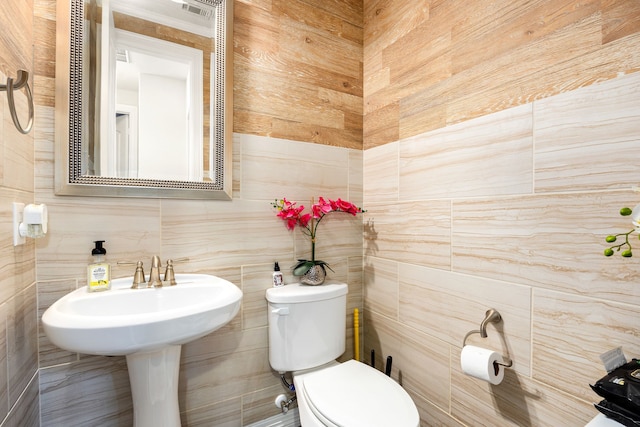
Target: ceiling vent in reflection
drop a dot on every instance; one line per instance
(122, 55)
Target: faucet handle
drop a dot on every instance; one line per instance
(138, 276)
(169, 274)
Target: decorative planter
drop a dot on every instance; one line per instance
(314, 276)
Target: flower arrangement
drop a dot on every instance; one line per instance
(626, 245)
(294, 216)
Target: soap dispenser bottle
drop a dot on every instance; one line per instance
(99, 272)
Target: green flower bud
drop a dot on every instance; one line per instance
(625, 211)
(608, 252)
(626, 253)
(611, 239)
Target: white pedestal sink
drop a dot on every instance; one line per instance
(148, 326)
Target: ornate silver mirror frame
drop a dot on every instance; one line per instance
(69, 179)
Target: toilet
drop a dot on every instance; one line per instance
(307, 326)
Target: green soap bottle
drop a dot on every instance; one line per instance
(99, 272)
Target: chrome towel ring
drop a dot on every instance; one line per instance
(23, 81)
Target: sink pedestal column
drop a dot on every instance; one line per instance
(154, 387)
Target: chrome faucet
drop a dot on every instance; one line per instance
(139, 280)
(154, 276)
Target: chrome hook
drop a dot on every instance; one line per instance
(491, 316)
(22, 81)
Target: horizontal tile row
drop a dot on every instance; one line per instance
(576, 141)
(225, 377)
(508, 211)
(419, 314)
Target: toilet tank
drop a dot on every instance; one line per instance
(306, 325)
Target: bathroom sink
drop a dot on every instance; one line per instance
(149, 327)
(123, 321)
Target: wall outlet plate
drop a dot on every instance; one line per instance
(18, 212)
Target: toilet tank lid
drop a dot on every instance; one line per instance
(298, 292)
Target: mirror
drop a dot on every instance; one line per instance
(144, 98)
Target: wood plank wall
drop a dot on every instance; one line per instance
(298, 70)
(16, 45)
(432, 63)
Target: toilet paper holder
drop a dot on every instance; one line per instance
(491, 316)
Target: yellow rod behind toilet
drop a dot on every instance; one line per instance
(356, 335)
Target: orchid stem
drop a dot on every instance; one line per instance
(625, 243)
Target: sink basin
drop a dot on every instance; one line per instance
(123, 321)
(148, 326)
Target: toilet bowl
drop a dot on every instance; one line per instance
(352, 394)
(307, 329)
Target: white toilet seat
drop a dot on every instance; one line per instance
(353, 394)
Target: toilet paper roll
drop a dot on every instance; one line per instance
(482, 363)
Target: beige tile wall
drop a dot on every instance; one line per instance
(506, 211)
(225, 377)
(18, 326)
(562, 266)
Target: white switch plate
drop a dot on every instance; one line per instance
(18, 211)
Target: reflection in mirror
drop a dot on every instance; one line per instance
(158, 112)
(147, 98)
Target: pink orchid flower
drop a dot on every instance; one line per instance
(293, 216)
